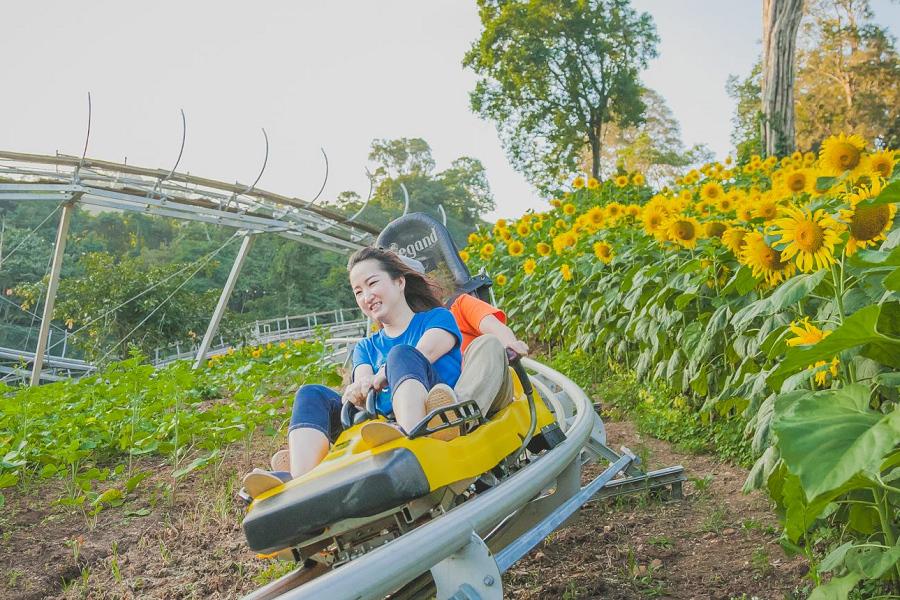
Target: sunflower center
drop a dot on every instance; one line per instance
(847, 155)
(771, 258)
(809, 236)
(655, 221)
(684, 230)
(715, 229)
(796, 183)
(869, 221)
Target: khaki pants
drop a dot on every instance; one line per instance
(485, 376)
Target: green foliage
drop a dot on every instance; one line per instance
(552, 74)
(73, 428)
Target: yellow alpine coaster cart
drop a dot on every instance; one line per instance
(361, 501)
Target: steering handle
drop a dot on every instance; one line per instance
(351, 415)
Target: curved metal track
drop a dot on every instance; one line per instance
(100, 183)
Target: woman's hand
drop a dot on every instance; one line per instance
(357, 391)
(519, 347)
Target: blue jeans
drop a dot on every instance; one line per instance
(319, 407)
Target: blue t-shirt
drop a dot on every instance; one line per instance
(374, 349)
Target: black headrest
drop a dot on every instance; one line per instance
(419, 236)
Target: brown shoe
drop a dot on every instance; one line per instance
(378, 433)
(440, 396)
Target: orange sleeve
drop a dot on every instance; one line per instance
(470, 311)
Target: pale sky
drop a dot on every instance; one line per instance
(313, 73)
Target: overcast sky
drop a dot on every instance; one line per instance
(313, 73)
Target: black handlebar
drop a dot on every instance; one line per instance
(351, 415)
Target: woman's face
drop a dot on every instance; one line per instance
(376, 293)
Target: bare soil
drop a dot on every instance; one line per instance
(715, 543)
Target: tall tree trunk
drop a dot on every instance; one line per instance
(781, 20)
(594, 139)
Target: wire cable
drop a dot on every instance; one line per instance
(161, 304)
(206, 258)
(30, 233)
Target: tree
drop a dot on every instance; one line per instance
(462, 190)
(781, 19)
(847, 79)
(848, 75)
(653, 147)
(552, 73)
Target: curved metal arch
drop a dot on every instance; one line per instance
(324, 181)
(87, 138)
(443, 214)
(369, 197)
(180, 151)
(405, 200)
(258, 177)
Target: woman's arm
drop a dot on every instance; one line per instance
(492, 325)
(435, 343)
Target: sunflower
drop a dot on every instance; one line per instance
(638, 179)
(569, 208)
(464, 256)
(799, 182)
(505, 235)
(733, 238)
(487, 249)
(500, 279)
(500, 224)
(474, 238)
(821, 376)
(841, 153)
(529, 266)
(746, 212)
(614, 210)
(633, 211)
(537, 224)
(726, 203)
(867, 224)
(523, 229)
(578, 182)
(516, 248)
(621, 180)
(766, 209)
(764, 260)
(556, 203)
(810, 236)
(883, 163)
(595, 217)
(712, 191)
(807, 333)
(543, 249)
(565, 240)
(560, 224)
(593, 184)
(654, 219)
(714, 229)
(603, 252)
(684, 231)
(566, 272)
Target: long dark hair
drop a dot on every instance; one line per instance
(422, 292)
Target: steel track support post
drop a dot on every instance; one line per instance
(223, 299)
(58, 250)
(469, 574)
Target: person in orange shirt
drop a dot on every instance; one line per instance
(485, 375)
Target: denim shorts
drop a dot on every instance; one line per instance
(319, 407)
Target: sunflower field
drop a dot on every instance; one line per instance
(767, 291)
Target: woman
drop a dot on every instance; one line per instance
(414, 360)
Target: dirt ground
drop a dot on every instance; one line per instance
(715, 543)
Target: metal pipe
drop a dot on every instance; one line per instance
(223, 300)
(387, 568)
(58, 252)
